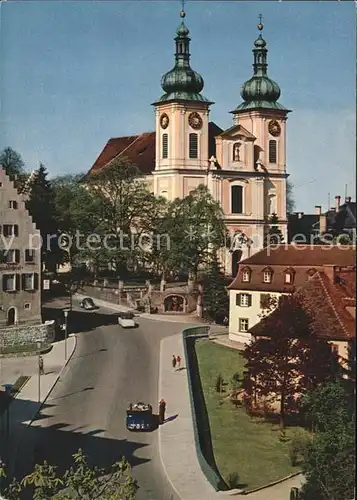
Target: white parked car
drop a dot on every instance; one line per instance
(126, 320)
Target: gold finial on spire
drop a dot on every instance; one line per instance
(182, 13)
(260, 25)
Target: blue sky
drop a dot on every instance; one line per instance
(74, 74)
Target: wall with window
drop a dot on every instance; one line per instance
(20, 260)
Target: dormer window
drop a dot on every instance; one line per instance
(246, 274)
(267, 276)
(289, 276)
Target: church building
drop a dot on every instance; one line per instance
(244, 167)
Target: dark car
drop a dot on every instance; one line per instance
(88, 304)
(139, 417)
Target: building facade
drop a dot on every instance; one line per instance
(273, 272)
(20, 264)
(244, 167)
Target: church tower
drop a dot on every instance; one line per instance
(182, 116)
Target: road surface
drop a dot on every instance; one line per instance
(110, 368)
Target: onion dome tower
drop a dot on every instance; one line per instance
(182, 82)
(260, 92)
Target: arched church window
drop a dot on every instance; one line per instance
(237, 199)
(272, 151)
(236, 151)
(193, 146)
(165, 145)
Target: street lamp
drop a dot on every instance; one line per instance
(65, 312)
(38, 343)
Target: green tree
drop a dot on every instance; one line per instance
(329, 468)
(41, 205)
(290, 201)
(79, 482)
(286, 358)
(215, 295)
(274, 235)
(14, 166)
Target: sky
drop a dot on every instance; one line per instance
(74, 74)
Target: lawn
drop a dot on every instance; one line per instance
(242, 445)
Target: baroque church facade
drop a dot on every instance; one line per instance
(243, 167)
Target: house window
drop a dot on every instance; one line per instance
(246, 275)
(11, 256)
(272, 151)
(165, 145)
(29, 255)
(236, 152)
(288, 278)
(243, 299)
(237, 199)
(243, 324)
(10, 230)
(9, 282)
(28, 281)
(13, 204)
(193, 146)
(267, 276)
(27, 305)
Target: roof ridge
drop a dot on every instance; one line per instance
(330, 300)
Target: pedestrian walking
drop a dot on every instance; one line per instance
(162, 409)
(40, 365)
(178, 359)
(174, 361)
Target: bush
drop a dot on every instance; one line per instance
(298, 447)
(219, 383)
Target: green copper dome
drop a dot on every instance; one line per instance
(260, 91)
(182, 82)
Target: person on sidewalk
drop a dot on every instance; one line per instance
(178, 359)
(162, 409)
(40, 365)
(174, 361)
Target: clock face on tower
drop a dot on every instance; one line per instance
(274, 128)
(164, 121)
(194, 120)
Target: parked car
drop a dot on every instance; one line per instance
(88, 304)
(139, 417)
(126, 320)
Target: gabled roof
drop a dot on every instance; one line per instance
(140, 150)
(238, 130)
(326, 304)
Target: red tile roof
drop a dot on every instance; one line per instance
(140, 150)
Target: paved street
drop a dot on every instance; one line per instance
(110, 368)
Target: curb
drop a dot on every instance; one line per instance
(269, 485)
(159, 429)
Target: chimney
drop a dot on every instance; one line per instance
(330, 271)
(337, 202)
(317, 209)
(348, 199)
(323, 223)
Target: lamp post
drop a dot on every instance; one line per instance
(39, 371)
(65, 312)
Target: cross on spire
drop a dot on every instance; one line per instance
(260, 17)
(182, 13)
(260, 25)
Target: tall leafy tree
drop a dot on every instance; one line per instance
(274, 235)
(329, 468)
(215, 295)
(41, 205)
(286, 358)
(13, 164)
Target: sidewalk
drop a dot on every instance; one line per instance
(182, 467)
(34, 393)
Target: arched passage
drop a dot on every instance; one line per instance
(11, 316)
(175, 303)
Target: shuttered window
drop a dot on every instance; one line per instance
(165, 145)
(193, 146)
(272, 151)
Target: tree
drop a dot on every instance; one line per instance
(329, 469)
(124, 203)
(79, 482)
(290, 201)
(215, 295)
(286, 359)
(274, 235)
(41, 206)
(14, 166)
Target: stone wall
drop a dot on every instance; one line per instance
(27, 334)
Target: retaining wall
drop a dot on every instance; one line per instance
(27, 334)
